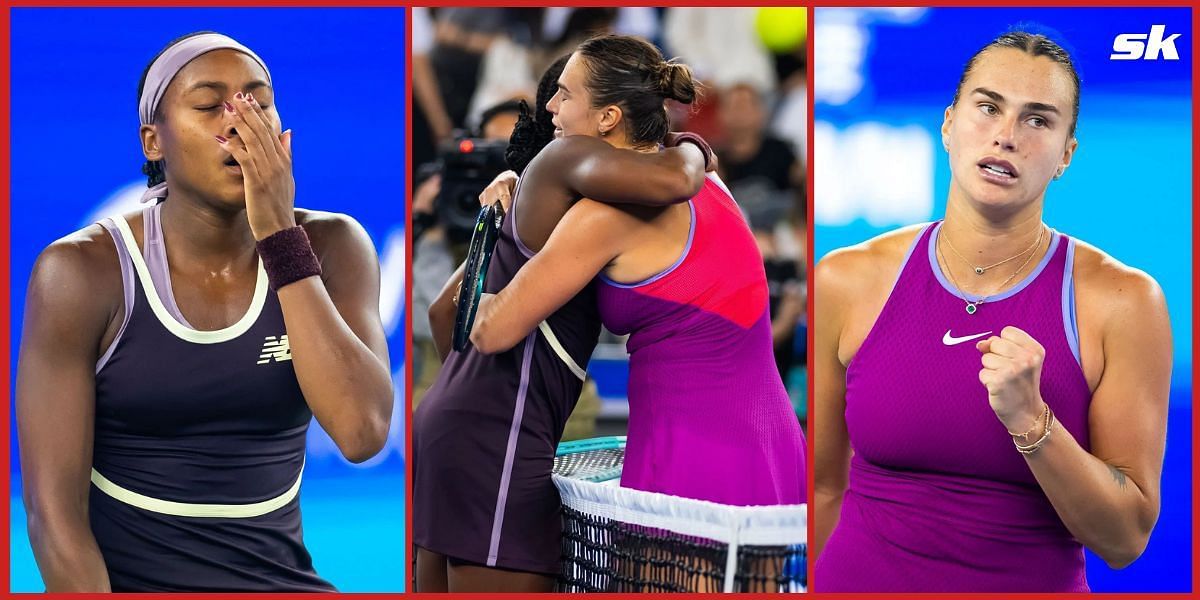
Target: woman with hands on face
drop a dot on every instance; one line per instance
(991, 395)
(172, 358)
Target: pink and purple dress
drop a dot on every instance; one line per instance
(709, 417)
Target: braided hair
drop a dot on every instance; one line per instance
(534, 128)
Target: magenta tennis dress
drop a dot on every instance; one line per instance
(938, 498)
(709, 417)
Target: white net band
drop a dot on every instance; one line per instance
(780, 525)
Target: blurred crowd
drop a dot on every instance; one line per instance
(472, 67)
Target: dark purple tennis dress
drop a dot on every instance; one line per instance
(485, 434)
(199, 442)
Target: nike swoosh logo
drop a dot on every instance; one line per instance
(950, 340)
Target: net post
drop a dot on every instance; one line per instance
(731, 557)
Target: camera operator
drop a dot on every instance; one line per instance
(445, 205)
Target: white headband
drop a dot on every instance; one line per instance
(169, 63)
(164, 69)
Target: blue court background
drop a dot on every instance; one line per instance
(883, 79)
(339, 82)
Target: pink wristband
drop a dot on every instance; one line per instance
(287, 257)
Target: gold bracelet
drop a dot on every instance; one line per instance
(1034, 447)
(1039, 419)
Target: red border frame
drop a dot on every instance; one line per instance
(410, 555)
(6, 271)
(810, 315)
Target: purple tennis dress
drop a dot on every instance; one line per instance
(939, 500)
(186, 420)
(709, 417)
(484, 436)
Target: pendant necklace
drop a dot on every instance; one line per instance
(981, 270)
(972, 307)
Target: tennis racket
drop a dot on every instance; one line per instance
(595, 459)
(479, 255)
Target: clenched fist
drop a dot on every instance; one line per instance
(1012, 373)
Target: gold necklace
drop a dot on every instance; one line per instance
(972, 307)
(981, 270)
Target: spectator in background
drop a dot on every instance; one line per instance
(448, 52)
(784, 31)
(763, 173)
(497, 122)
(752, 157)
(721, 45)
(796, 377)
(435, 258)
(790, 119)
(512, 63)
(430, 123)
(724, 49)
(785, 284)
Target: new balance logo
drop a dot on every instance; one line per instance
(276, 349)
(1130, 46)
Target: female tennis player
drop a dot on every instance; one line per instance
(172, 358)
(709, 416)
(991, 395)
(485, 512)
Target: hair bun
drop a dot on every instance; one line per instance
(676, 82)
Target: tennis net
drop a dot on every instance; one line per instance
(623, 540)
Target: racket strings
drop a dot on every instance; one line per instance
(594, 465)
(479, 255)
